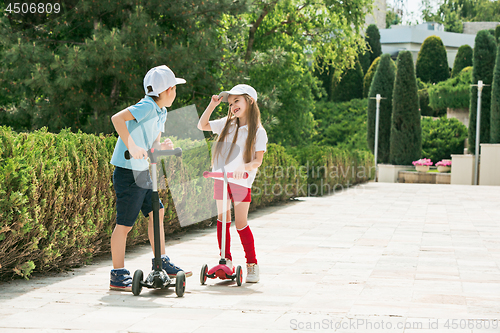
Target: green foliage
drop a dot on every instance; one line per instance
(365, 61)
(442, 137)
(367, 80)
(495, 103)
(484, 63)
(329, 169)
(462, 59)
(80, 68)
(406, 133)
(432, 62)
(373, 39)
(341, 125)
(383, 84)
(423, 98)
(350, 86)
(453, 93)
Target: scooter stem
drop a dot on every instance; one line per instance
(156, 219)
(224, 221)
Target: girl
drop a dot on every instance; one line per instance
(239, 148)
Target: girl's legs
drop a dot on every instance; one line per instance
(118, 244)
(227, 211)
(246, 235)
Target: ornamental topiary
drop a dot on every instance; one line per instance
(383, 84)
(484, 62)
(406, 133)
(373, 39)
(442, 137)
(495, 103)
(462, 59)
(367, 80)
(432, 62)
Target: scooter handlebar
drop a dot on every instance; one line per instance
(155, 153)
(208, 174)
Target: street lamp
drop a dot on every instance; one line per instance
(377, 116)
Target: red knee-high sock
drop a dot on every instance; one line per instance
(248, 243)
(228, 238)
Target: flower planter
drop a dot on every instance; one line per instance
(422, 168)
(443, 168)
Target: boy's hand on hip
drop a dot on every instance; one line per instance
(167, 144)
(137, 152)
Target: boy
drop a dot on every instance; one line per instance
(139, 128)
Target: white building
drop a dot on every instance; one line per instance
(411, 38)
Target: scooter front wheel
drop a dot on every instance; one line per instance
(239, 276)
(180, 283)
(137, 282)
(203, 274)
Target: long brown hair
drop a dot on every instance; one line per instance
(253, 120)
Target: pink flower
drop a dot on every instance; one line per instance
(443, 163)
(423, 161)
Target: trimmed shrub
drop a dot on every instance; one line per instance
(350, 86)
(423, 98)
(432, 62)
(495, 102)
(367, 80)
(406, 133)
(341, 125)
(484, 62)
(383, 84)
(330, 169)
(373, 39)
(453, 93)
(442, 137)
(462, 59)
(365, 60)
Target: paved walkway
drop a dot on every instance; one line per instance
(375, 258)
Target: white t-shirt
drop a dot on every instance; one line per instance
(237, 153)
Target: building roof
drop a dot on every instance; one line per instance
(415, 35)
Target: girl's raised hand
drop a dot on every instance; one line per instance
(215, 100)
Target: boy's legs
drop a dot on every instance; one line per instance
(162, 231)
(118, 245)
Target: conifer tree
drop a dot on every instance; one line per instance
(383, 84)
(495, 102)
(432, 61)
(367, 80)
(462, 59)
(406, 131)
(373, 39)
(483, 64)
(350, 86)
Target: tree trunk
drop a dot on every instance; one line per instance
(255, 26)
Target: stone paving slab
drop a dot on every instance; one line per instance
(373, 258)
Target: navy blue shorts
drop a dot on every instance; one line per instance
(133, 194)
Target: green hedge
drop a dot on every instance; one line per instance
(57, 203)
(442, 137)
(453, 93)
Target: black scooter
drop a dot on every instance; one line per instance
(158, 278)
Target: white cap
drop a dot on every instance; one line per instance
(239, 89)
(160, 78)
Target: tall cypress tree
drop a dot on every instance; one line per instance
(369, 75)
(406, 131)
(495, 102)
(483, 62)
(383, 84)
(462, 59)
(432, 61)
(373, 39)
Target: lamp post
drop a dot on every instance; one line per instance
(480, 87)
(377, 117)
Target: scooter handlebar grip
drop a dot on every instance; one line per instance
(208, 174)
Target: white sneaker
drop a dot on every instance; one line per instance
(229, 264)
(252, 273)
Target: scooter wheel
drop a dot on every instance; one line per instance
(137, 282)
(239, 276)
(203, 274)
(180, 283)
